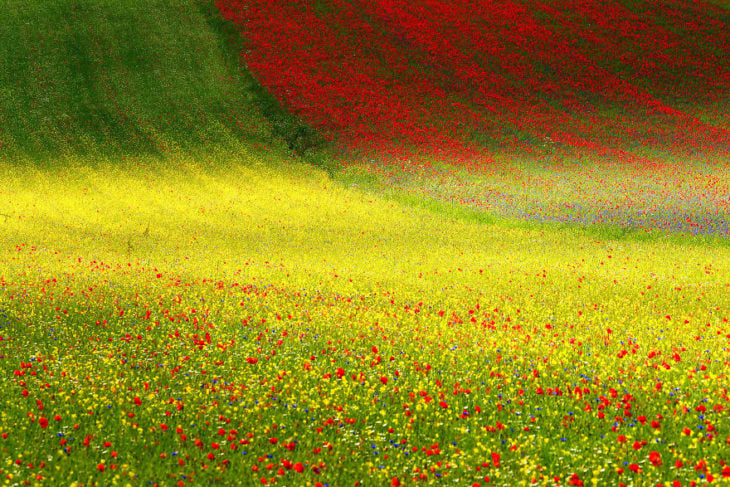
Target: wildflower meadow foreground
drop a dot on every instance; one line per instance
(265, 324)
(363, 243)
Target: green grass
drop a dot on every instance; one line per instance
(115, 77)
(720, 3)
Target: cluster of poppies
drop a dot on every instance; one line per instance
(461, 78)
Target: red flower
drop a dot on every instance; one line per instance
(298, 467)
(384, 380)
(43, 422)
(443, 404)
(655, 458)
(137, 401)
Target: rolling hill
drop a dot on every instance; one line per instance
(124, 78)
(111, 77)
(611, 78)
(513, 269)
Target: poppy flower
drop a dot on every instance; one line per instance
(655, 458)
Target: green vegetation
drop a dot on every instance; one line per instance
(195, 290)
(113, 77)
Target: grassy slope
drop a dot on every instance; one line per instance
(113, 77)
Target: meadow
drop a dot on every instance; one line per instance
(338, 243)
(263, 323)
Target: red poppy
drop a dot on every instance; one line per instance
(655, 458)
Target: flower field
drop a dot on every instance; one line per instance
(337, 243)
(613, 78)
(673, 195)
(263, 324)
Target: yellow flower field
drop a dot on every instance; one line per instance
(257, 322)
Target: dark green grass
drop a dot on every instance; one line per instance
(106, 77)
(720, 3)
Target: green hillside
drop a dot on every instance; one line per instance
(117, 78)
